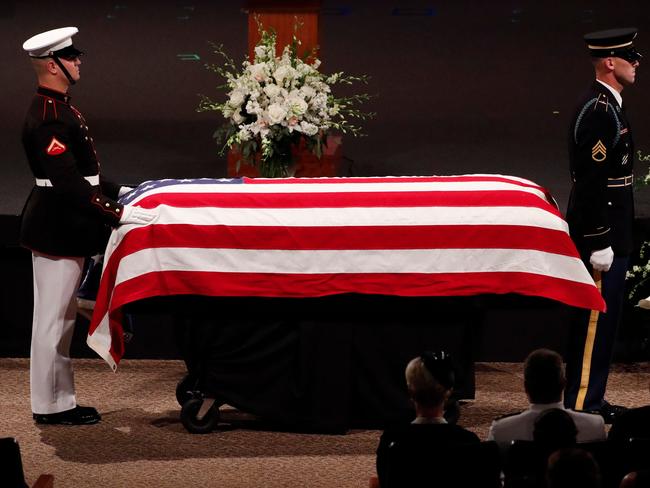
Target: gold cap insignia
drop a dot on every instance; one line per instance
(599, 152)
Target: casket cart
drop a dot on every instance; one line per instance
(286, 271)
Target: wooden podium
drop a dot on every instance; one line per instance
(283, 17)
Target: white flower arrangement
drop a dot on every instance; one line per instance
(640, 274)
(274, 102)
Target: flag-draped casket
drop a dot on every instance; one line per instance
(310, 237)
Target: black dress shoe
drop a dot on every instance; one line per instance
(611, 412)
(76, 416)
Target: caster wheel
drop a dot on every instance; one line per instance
(204, 425)
(185, 389)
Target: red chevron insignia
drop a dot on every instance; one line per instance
(55, 148)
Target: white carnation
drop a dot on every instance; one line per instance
(308, 129)
(319, 102)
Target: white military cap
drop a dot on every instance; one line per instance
(56, 42)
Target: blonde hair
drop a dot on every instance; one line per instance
(423, 388)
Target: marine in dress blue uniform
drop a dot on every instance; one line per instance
(67, 217)
(600, 213)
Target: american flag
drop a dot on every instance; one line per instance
(309, 237)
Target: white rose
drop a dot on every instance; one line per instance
(297, 106)
(237, 117)
(276, 113)
(244, 134)
(258, 71)
(283, 73)
(236, 98)
(307, 91)
(272, 91)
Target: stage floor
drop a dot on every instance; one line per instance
(139, 409)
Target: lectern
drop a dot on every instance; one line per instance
(284, 17)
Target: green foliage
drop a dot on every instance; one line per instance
(275, 102)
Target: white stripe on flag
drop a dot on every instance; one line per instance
(361, 216)
(352, 261)
(100, 342)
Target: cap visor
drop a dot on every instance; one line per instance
(68, 52)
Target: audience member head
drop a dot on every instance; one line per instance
(636, 479)
(544, 378)
(571, 467)
(555, 429)
(430, 380)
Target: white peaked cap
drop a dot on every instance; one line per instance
(46, 43)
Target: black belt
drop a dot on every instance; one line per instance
(623, 181)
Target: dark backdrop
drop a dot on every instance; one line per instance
(461, 87)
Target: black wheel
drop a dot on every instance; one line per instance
(195, 426)
(185, 389)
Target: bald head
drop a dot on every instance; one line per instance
(50, 74)
(40, 66)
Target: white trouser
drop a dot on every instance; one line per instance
(56, 280)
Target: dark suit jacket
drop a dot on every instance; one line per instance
(71, 217)
(407, 451)
(600, 148)
(633, 423)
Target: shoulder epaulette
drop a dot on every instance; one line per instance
(600, 103)
(49, 109)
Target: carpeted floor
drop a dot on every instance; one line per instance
(141, 442)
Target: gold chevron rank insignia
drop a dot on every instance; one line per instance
(599, 152)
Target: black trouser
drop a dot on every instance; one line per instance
(591, 343)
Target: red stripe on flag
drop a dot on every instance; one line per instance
(296, 285)
(342, 238)
(399, 284)
(391, 179)
(350, 199)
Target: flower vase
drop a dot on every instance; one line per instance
(280, 164)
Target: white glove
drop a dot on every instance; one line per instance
(602, 260)
(137, 215)
(124, 190)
